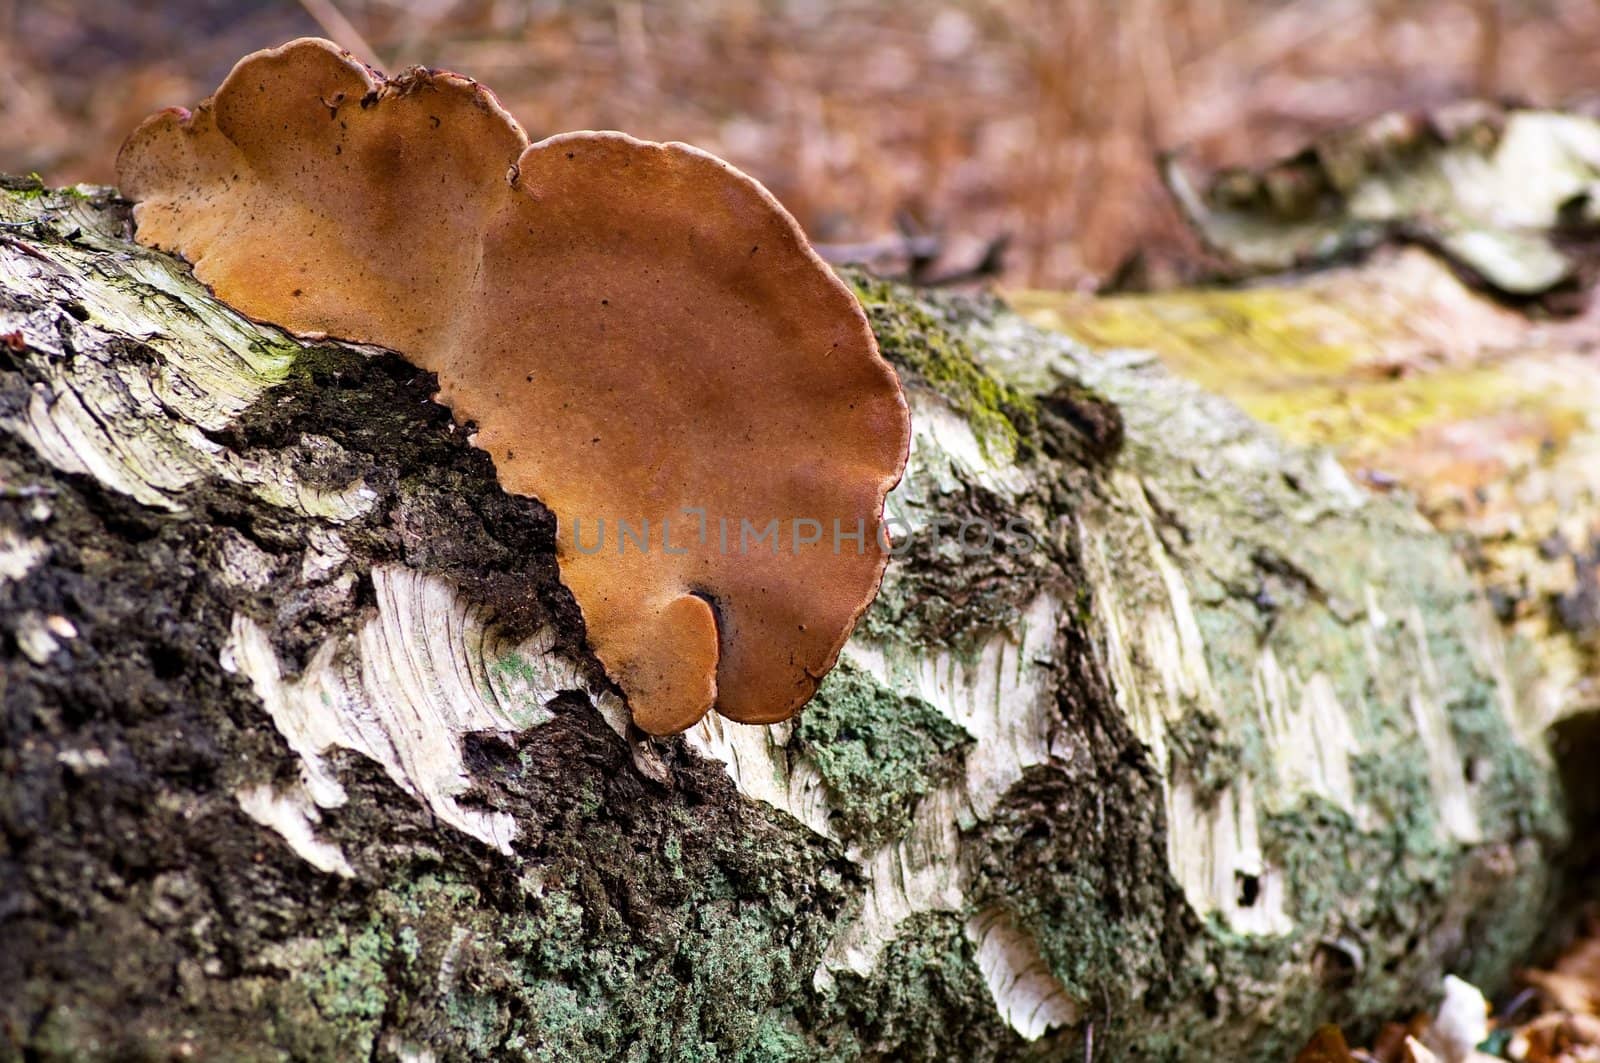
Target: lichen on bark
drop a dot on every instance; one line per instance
(878, 753)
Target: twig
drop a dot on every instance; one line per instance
(340, 29)
(991, 264)
(921, 252)
(10, 493)
(26, 248)
(901, 246)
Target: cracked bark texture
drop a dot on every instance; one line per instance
(304, 756)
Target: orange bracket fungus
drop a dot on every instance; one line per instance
(639, 332)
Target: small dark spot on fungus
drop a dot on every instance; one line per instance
(437, 241)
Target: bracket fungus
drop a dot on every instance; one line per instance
(639, 332)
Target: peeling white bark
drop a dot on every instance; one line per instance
(19, 555)
(946, 454)
(404, 690)
(134, 426)
(1019, 980)
(758, 762)
(1000, 696)
(1156, 660)
(294, 816)
(1451, 793)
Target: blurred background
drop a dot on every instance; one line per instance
(1024, 125)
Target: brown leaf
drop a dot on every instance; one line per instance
(1327, 1045)
(1390, 1047)
(1573, 984)
(1557, 1038)
(1566, 992)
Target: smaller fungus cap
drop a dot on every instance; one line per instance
(640, 333)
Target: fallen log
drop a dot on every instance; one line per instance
(1167, 737)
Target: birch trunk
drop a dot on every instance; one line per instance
(304, 755)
